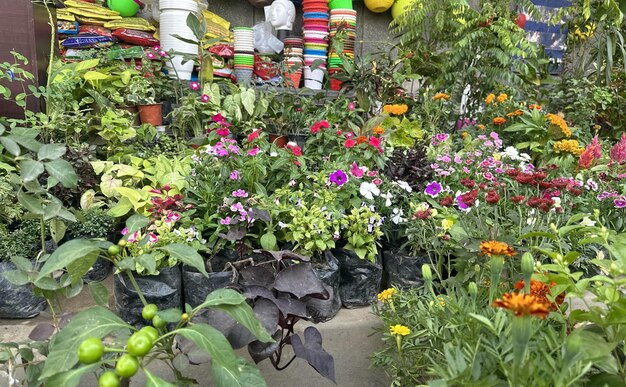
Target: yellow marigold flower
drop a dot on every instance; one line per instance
(481, 127)
(386, 294)
(378, 130)
(490, 98)
(515, 113)
(464, 135)
(440, 96)
(568, 146)
(499, 121)
(496, 248)
(559, 122)
(399, 330)
(395, 109)
(502, 98)
(522, 305)
(597, 127)
(442, 301)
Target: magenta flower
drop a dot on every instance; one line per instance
(620, 202)
(205, 98)
(618, 151)
(150, 55)
(254, 151)
(377, 181)
(172, 217)
(133, 237)
(339, 177)
(153, 238)
(125, 231)
(240, 193)
(222, 132)
(356, 171)
(372, 173)
(433, 189)
(351, 106)
(194, 86)
(163, 53)
(226, 221)
(156, 48)
(236, 207)
(235, 175)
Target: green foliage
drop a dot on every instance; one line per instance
(93, 222)
(24, 241)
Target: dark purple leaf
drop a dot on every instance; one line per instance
(234, 234)
(300, 280)
(313, 353)
(41, 332)
(286, 304)
(260, 351)
(267, 313)
(260, 214)
(256, 275)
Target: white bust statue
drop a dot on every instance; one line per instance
(281, 14)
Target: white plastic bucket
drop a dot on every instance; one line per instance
(173, 21)
(313, 79)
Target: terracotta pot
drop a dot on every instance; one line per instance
(151, 114)
(278, 140)
(134, 112)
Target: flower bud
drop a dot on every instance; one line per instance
(472, 289)
(426, 273)
(528, 264)
(477, 268)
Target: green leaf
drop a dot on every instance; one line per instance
(99, 293)
(243, 314)
(247, 376)
(248, 97)
(154, 381)
(268, 242)
(222, 297)
(147, 261)
(86, 65)
(171, 315)
(197, 26)
(63, 171)
(94, 322)
(22, 263)
(16, 277)
(10, 145)
(30, 169)
(66, 254)
(79, 267)
(51, 151)
(537, 234)
(136, 223)
(187, 255)
(69, 378)
(212, 342)
(57, 229)
(31, 203)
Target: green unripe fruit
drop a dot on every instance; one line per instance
(114, 250)
(427, 273)
(126, 366)
(150, 331)
(122, 243)
(139, 344)
(158, 322)
(149, 311)
(90, 351)
(109, 379)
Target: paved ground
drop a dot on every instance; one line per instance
(350, 337)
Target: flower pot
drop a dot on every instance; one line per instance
(134, 111)
(172, 23)
(18, 301)
(313, 79)
(327, 272)
(278, 140)
(99, 271)
(360, 279)
(378, 6)
(151, 114)
(164, 290)
(403, 270)
(196, 287)
(299, 139)
(293, 79)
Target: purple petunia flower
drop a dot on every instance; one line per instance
(339, 177)
(433, 189)
(235, 175)
(240, 193)
(620, 202)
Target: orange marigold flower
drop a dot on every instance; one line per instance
(559, 122)
(481, 127)
(540, 291)
(568, 146)
(490, 98)
(533, 106)
(502, 98)
(499, 121)
(515, 113)
(440, 96)
(361, 139)
(496, 248)
(464, 135)
(395, 109)
(522, 305)
(378, 130)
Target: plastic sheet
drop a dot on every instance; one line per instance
(360, 279)
(403, 270)
(99, 271)
(18, 301)
(324, 310)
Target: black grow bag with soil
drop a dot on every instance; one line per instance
(360, 279)
(196, 287)
(164, 290)
(18, 301)
(403, 270)
(99, 271)
(323, 310)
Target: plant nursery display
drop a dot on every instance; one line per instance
(179, 178)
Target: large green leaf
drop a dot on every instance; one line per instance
(31, 203)
(186, 255)
(212, 342)
(136, 223)
(69, 378)
(94, 322)
(30, 169)
(222, 297)
(248, 376)
(154, 381)
(78, 268)
(63, 171)
(10, 145)
(51, 151)
(66, 254)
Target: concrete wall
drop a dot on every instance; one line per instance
(372, 31)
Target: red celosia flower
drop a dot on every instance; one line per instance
(596, 147)
(618, 151)
(492, 197)
(446, 201)
(518, 199)
(350, 143)
(540, 175)
(423, 215)
(513, 172)
(524, 178)
(545, 185)
(534, 201)
(586, 159)
(469, 183)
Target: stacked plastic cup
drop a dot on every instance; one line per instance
(343, 30)
(244, 54)
(315, 29)
(294, 49)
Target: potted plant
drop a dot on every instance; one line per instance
(141, 92)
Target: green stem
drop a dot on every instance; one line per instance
(136, 286)
(42, 232)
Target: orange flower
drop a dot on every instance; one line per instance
(490, 98)
(499, 121)
(496, 248)
(481, 127)
(522, 305)
(464, 135)
(361, 139)
(534, 106)
(395, 109)
(440, 96)
(559, 122)
(540, 291)
(502, 98)
(516, 113)
(379, 130)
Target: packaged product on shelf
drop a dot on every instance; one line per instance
(88, 41)
(139, 38)
(133, 23)
(67, 27)
(124, 52)
(95, 30)
(217, 27)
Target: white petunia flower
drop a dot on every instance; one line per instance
(587, 222)
(397, 216)
(369, 190)
(404, 185)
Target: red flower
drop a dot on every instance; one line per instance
(586, 159)
(254, 135)
(492, 197)
(324, 124)
(518, 199)
(575, 191)
(513, 172)
(539, 175)
(545, 185)
(350, 143)
(482, 185)
(295, 149)
(524, 178)
(361, 139)
(222, 132)
(375, 142)
(469, 183)
(446, 201)
(423, 215)
(469, 198)
(534, 202)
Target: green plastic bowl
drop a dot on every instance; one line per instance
(340, 4)
(126, 8)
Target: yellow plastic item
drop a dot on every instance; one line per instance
(133, 23)
(400, 7)
(61, 15)
(94, 14)
(217, 26)
(378, 6)
(90, 6)
(90, 21)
